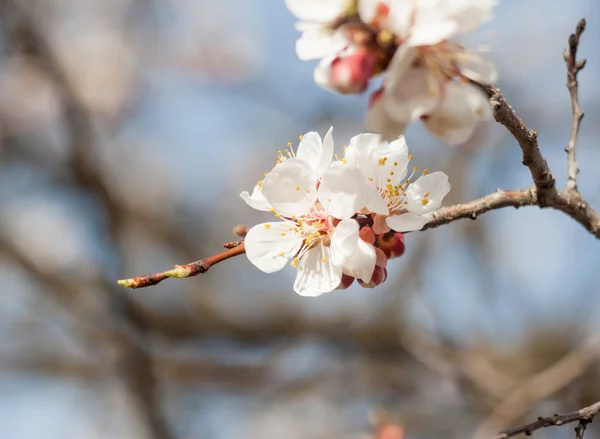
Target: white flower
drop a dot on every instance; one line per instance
(319, 38)
(314, 154)
(450, 111)
(426, 76)
(310, 197)
(408, 206)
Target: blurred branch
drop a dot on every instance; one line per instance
(584, 416)
(573, 68)
(134, 364)
(540, 386)
(188, 270)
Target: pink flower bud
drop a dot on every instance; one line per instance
(346, 282)
(379, 277)
(350, 74)
(392, 244)
(381, 258)
(367, 234)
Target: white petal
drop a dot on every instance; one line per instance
(317, 274)
(270, 245)
(256, 200)
(318, 42)
(322, 73)
(412, 97)
(326, 153)
(375, 202)
(316, 153)
(435, 185)
(389, 166)
(479, 70)
(407, 222)
(344, 241)
(455, 119)
(378, 120)
(367, 10)
(343, 190)
(362, 262)
(430, 30)
(400, 17)
(378, 160)
(400, 65)
(321, 11)
(471, 14)
(361, 146)
(291, 188)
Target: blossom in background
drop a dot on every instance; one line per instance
(427, 74)
(339, 219)
(320, 37)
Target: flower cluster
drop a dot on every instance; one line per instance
(338, 219)
(428, 76)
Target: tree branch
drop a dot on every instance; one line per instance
(583, 415)
(527, 139)
(234, 248)
(472, 209)
(573, 68)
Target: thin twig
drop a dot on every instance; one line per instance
(585, 414)
(187, 270)
(527, 139)
(540, 386)
(580, 429)
(573, 68)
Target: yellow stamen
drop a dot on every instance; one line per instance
(297, 188)
(300, 137)
(267, 226)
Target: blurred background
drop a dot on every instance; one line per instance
(127, 130)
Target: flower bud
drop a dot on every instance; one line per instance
(345, 282)
(350, 74)
(392, 244)
(382, 259)
(367, 234)
(379, 277)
